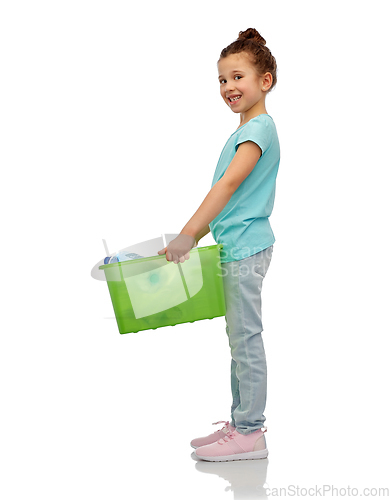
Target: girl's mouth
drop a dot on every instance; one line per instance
(234, 99)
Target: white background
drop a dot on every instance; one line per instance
(111, 127)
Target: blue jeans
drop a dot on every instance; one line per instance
(242, 281)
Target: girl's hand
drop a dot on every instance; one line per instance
(178, 249)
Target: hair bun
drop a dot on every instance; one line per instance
(251, 33)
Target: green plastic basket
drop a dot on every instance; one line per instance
(150, 293)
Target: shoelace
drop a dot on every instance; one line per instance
(222, 422)
(230, 435)
(226, 430)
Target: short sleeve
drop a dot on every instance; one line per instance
(258, 131)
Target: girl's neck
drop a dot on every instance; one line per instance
(257, 110)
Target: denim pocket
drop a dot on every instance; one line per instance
(258, 269)
(264, 260)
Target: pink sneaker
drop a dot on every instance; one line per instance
(235, 446)
(212, 438)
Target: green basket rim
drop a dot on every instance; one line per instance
(144, 259)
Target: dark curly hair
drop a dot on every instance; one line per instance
(252, 43)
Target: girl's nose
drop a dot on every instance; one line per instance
(230, 85)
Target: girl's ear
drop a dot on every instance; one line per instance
(267, 81)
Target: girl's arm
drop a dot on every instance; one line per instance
(202, 233)
(241, 166)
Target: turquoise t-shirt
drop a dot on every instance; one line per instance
(243, 226)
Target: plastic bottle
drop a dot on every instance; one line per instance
(121, 257)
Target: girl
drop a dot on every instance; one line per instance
(236, 211)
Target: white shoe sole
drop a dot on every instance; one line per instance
(251, 455)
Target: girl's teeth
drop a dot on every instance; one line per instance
(235, 98)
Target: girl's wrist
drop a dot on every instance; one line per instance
(189, 232)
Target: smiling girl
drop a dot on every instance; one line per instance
(236, 211)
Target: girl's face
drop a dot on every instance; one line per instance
(240, 84)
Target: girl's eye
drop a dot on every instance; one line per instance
(222, 81)
(237, 77)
